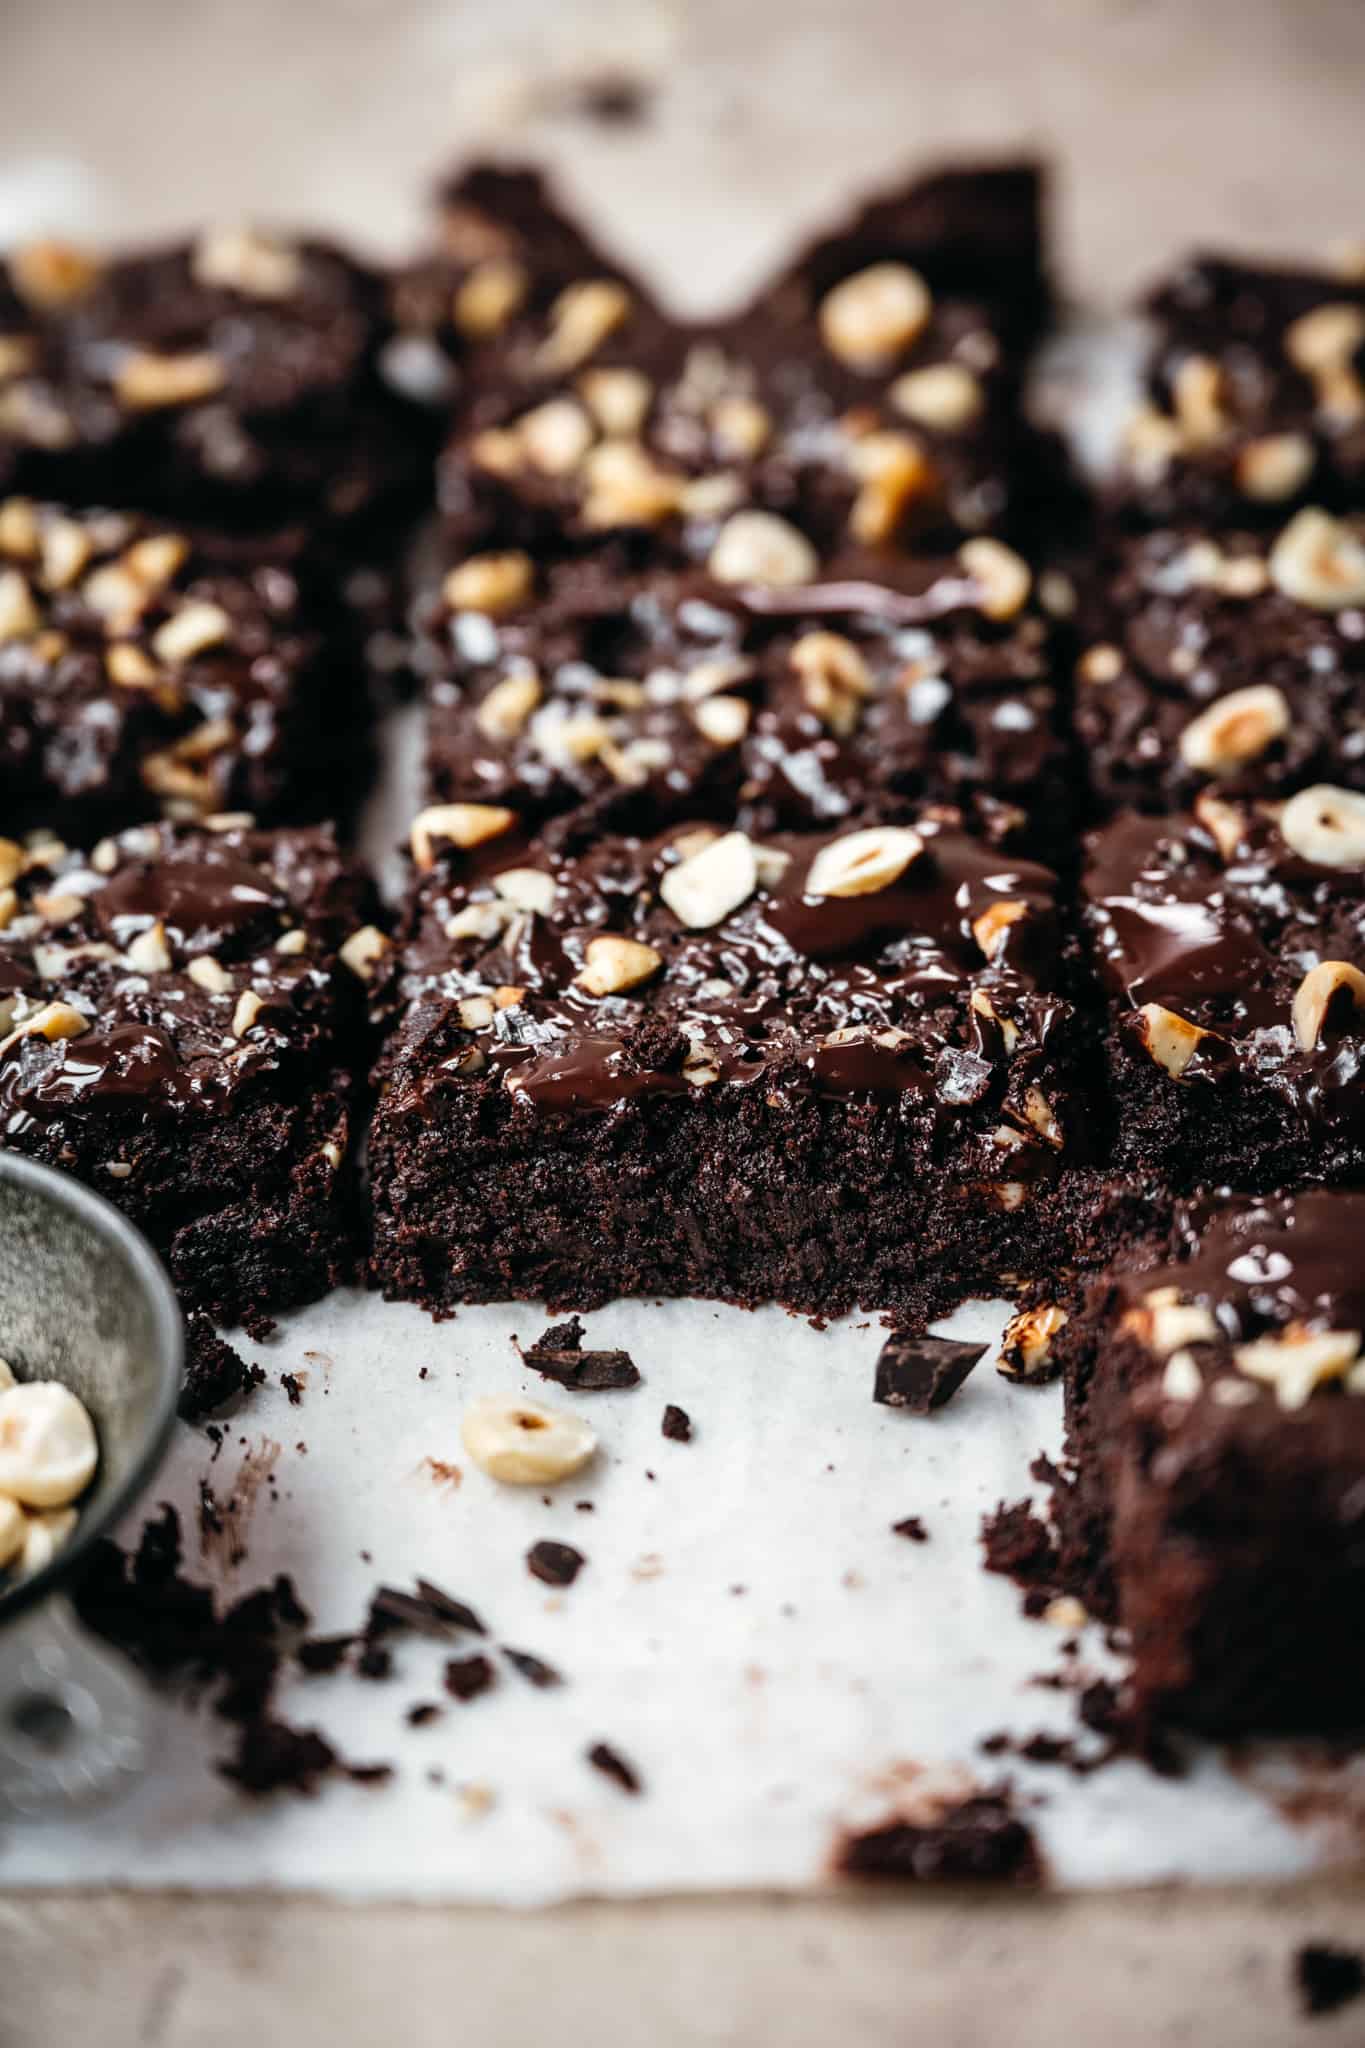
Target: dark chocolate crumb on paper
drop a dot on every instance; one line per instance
(612, 1764)
(1327, 1977)
(677, 1424)
(557, 1564)
(559, 1355)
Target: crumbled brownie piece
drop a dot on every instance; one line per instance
(272, 1756)
(325, 1654)
(1019, 1545)
(922, 1373)
(677, 1424)
(1214, 1502)
(594, 1024)
(533, 1669)
(467, 1677)
(613, 1765)
(977, 1838)
(1327, 1976)
(214, 1372)
(912, 1528)
(293, 1387)
(374, 1662)
(183, 1029)
(559, 1355)
(558, 1564)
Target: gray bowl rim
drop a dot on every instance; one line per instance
(168, 1322)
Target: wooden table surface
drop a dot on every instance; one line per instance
(1236, 122)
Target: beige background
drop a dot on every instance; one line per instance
(1236, 121)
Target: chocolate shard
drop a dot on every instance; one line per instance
(613, 1765)
(559, 1355)
(677, 1424)
(467, 1677)
(533, 1669)
(922, 1373)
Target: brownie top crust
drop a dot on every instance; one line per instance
(1232, 661)
(1233, 933)
(172, 971)
(1262, 1305)
(671, 692)
(903, 960)
(1255, 393)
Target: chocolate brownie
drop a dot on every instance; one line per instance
(815, 1068)
(182, 1012)
(669, 695)
(138, 672)
(231, 380)
(1215, 1502)
(1254, 399)
(869, 395)
(1228, 939)
(1234, 663)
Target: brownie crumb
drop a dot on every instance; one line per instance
(467, 1677)
(271, 1756)
(368, 1774)
(323, 1654)
(922, 1373)
(558, 1564)
(981, 1838)
(375, 1661)
(1019, 1545)
(214, 1372)
(1327, 1977)
(677, 1424)
(293, 1386)
(612, 1764)
(559, 1355)
(533, 1669)
(912, 1528)
(422, 1713)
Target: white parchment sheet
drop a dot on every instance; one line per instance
(773, 1660)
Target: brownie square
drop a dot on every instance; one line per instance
(140, 670)
(670, 695)
(183, 1014)
(233, 380)
(1230, 662)
(817, 1068)
(1254, 400)
(1227, 939)
(868, 396)
(1214, 1502)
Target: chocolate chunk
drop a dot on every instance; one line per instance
(374, 1661)
(677, 1424)
(922, 1373)
(533, 1669)
(612, 1764)
(558, 1564)
(559, 1356)
(1327, 1976)
(467, 1677)
(912, 1527)
(430, 1611)
(323, 1654)
(450, 1609)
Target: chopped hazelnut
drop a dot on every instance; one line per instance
(489, 583)
(245, 259)
(1004, 578)
(1332, 984)
(1235, 729)
(703, 889)
(190, 631)
(862, 863)
(581, 319)
(1319, 561)
(613, 964)
(363, 951)
(488, 297)
(503, 713)
(1275, 466)
(1171, 1039)
(758, 547)
(50, 274)
(873, 316)
(991, 929)
(1326, 825)
(944, 396)
(144, 382)
(464, 825)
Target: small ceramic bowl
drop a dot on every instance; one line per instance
(83, 1299)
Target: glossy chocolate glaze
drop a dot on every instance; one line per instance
(1225, 940)
(1259, 1265)
(953, 706)
(159, 1041)
(1185, 639)
(844, 994)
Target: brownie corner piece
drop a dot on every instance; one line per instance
(184, 1020)
(1227, 940)
(790, 1067)
(1214, 1501)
